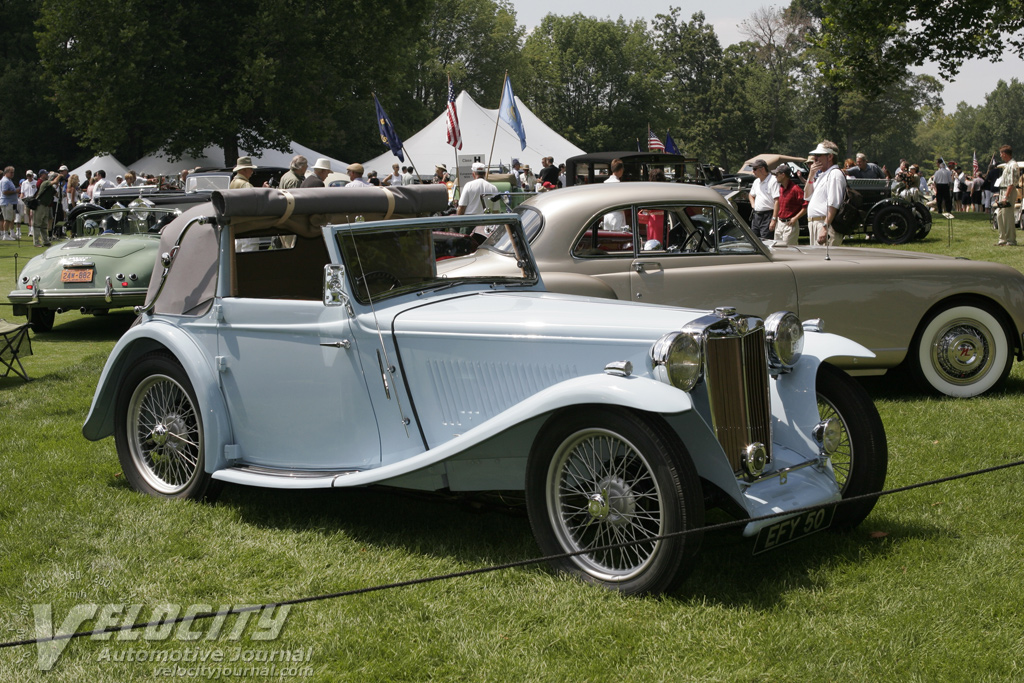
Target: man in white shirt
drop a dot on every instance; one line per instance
(1007, 198)
(943, 180)
(615, 220)
(764, 201)
(471, 199)
(825, 191)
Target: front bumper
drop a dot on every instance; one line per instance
(799, 488)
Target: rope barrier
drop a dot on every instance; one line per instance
(500, 567)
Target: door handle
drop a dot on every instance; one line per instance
(639, 267)
(343, 344)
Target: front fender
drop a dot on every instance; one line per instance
(636, 393)
(156, 336)
(794, 396)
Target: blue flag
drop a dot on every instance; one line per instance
(509, 112)
(670, 144)
(387, 131)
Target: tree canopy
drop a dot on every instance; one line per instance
(134, 77)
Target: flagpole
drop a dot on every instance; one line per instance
(497, 119)
(411, 162)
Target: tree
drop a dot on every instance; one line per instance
(871, 43)
(251, 74)
(31, 135)
(697, 103)
(593, 80)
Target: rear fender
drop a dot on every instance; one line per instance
(137, 342)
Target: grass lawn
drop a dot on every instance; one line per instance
(927, 589)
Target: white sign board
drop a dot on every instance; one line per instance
(466, 162)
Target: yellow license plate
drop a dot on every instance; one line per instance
(76, 275)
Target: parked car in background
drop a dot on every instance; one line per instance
(885, 216)
(343, 357)
(588, 169)
(956, 323)
(108, 265)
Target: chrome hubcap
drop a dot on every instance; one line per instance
(962, 352)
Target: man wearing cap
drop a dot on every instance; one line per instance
(824, 192)
(764, 201)
(517, 173)
(355, 177)
(296, 173)
(41, 222)
(471, 199)
(792, 206)
(243, 171)
(321, 169)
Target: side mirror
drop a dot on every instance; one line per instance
(334, 286)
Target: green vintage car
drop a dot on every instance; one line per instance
(107, 265)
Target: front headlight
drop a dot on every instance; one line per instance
(784, 336)
(677, 359)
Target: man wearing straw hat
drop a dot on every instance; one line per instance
(243, 171)
(321, 169)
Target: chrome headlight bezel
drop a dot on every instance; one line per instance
(784, 336)
(678, 359)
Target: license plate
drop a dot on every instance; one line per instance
(793, 528)
(76, 275)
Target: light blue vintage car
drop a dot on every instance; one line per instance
(305, 339)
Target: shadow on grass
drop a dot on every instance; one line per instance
(88, 328)
(457, 528)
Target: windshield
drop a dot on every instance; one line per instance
(123, 221)
(532, 222)
(392, 258)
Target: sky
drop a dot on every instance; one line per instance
(976, 78)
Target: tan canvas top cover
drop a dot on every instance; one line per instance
(192, 281)
(771, 160)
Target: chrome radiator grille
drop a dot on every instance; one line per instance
(737, 384)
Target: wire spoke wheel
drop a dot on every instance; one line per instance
(159, 431)
(167, 437)
(600, 477)
(602, 491)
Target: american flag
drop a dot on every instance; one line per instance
(452, 128)
(975, 163)
(653, 143)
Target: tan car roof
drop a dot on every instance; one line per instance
(772, 160)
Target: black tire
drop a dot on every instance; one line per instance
(599, 475)
(158, 428)
(894, 224)
(862, 459)
(961, 350)
(41, 318)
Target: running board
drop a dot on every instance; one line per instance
(248, 475)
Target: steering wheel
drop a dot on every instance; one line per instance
(693, 241)
(379, 276)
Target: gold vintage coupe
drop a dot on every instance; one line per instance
(956, 323)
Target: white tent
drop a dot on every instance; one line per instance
(430, 145)
(104, 162)
(158, 164)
